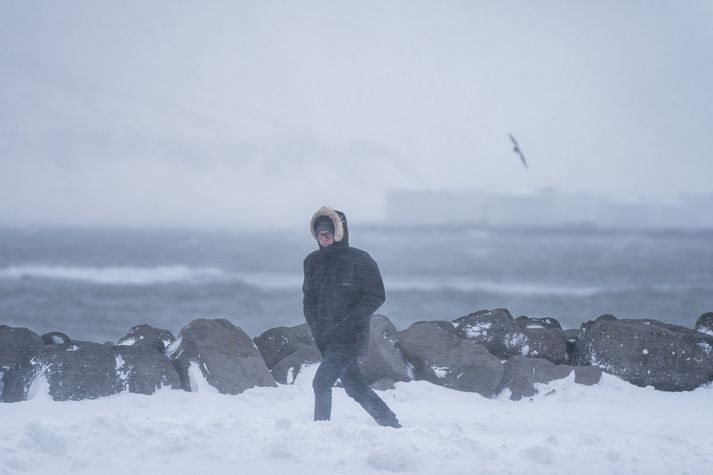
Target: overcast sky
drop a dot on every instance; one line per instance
(254, 113)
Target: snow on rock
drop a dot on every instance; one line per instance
(40, 386)
(146, 335)
(86, 370)
(197, 378)
(477, 330)
(440, 372)
(489, 328)
(288, 368)
(142, 369)
(539, 323)
(544, 338)
(121, 369)
(704, 324)
(505, 337)
(56, 338)
(606, 428)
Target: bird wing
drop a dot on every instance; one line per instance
(516, 149)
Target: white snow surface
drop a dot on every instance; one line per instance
(612, 427)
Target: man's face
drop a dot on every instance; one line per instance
(325, 238)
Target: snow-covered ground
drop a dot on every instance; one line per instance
(612, 427)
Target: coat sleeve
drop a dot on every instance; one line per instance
(309, 300)
(372, 293)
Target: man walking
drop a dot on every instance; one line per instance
(342, 289)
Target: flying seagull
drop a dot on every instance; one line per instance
(516, 149)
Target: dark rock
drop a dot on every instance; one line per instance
(141, 369)
(544, 339)
(79, 370)
(505, 337)
(287, 369)
(493, 329)
(571, 336)
(444, 325)
(383, 359)
(521, 374)
(224, 354)
(146, 335)
(85, 370)
(16, 344)
(704, 324)
(56, 338)
(443, 358)
(647, 352)
(278, 343)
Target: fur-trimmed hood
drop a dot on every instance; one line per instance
(339, 220)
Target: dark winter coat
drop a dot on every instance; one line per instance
(342, 289)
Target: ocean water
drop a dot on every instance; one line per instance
(94, 284)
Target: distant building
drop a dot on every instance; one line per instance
(546, 208)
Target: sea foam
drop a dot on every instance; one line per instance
(112, 275)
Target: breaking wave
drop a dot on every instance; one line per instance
(506, 288)
(113, 275)
(269, 280)
(293, 281)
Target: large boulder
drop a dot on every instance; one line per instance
(276, 344)
(287, 369)
(544, 339)
(647, 352)
(79, 370)
(220, 353)
(704, 324)
(505, 337)
(442, 357)
(490, 328)
(383, 359)
(141, 369)
(146, 335)
(521, 374)
(16, 344)
(85, 370)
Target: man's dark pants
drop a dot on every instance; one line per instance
(342, 364)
